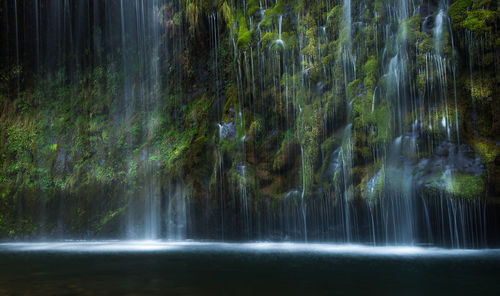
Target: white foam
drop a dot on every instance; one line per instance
(119, 246)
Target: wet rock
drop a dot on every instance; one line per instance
(320, 86)
(333, 164)
(227, 130)
(450, 169)
(293, 194)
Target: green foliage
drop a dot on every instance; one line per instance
(17, 155)
(109, 216)
(180, 148)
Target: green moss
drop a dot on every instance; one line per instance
(370, 71)
(103, 174)
(335, 13)
(487, 151)
(373, 183)
(63, 136)
(244, 179)
(256, 127)
(193, 10)
(425, 45)
(227, 14)
(433, 122)
(279, 7)
(177, 18)
(283, 156)
(458, 184)
(110, 216)
(458, 11)
(481, 87)
(375, 120)
(352, 89)
(478, 21)
(379, 7)
(465, 186)
(311, 50)
(383, 124)
(309, 132)
(474, 16)
(253, 6)
(421, 84)
(268, 38)
(244, 36)
(410, 30)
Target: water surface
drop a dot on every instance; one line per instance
(207, 268)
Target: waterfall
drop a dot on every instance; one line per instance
(140, 67)
(177, 212)
(438, 31)
(126, 37)
(268, 120)
(279, 41)
(347, 23)
(16, 31)
(302, 196)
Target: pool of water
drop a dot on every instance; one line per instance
(208, 268)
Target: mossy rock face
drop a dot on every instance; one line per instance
(284, 158)
(487, 151)
(373, 184)
(466, 186)
(253, 6)
(310, 132)
(282, 102)
(330, 151)
(461, 185)
(440, 124)
(451, 170)
(481, 88)
(244, 35)
(268, 39)
(475, 16)
(409, 30)
(478, 21)
(458, 11)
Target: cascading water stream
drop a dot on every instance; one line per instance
(392, 210)
(320, 121)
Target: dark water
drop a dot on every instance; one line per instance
(161, 268)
